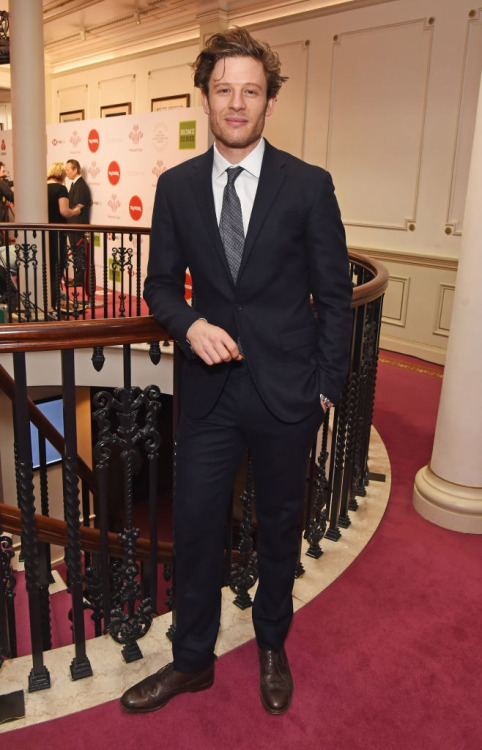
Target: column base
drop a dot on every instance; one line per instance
(452, 506)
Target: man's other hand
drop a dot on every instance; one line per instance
(212, 343)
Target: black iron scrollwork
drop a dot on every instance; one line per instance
(7, 593)
(118, 416)
(317, 525)
(244, 573)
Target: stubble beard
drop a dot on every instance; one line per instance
(249, 139)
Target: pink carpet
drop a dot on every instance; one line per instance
(387, 658)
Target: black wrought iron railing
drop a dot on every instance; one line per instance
(59, 271)
(113, 574)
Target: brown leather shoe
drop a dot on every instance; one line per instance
(276, 683)
(156, 690)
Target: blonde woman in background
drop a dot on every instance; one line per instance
(59, 212)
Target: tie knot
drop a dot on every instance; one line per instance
(233, 173)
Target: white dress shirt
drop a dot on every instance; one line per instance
(246, 184)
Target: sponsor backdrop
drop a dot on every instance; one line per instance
(122, 157)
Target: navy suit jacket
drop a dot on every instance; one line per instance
(295, 247)
(80, 193)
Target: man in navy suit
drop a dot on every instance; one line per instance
(260, 368)
(79, 195)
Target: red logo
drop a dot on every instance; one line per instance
(113, 173)
(93, 140)
(4, 145)
(135, 207)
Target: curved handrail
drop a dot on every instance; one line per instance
(54, 531)
(7, 385)
(373, 289)
(79, 334)
(54, 335)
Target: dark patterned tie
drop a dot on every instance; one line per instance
(231, 223)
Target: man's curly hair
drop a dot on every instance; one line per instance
(237, 42)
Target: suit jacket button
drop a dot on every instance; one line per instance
(239, 307)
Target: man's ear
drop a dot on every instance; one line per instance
(205, 102)
(270, 106)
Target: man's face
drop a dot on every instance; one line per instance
(70, 171)
(237, 105)
(3, 172)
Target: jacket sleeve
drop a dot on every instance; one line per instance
(331, 288)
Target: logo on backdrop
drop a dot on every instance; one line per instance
(135, 207)
(113, 173)
(93, 171)
(114, 205)
(75, 139)
(158, 168)
(135, 136)
(93, 140)
(3, 145)
(187, 134)
(57, 141)
(160, 138)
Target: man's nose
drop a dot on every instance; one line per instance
(237, 100)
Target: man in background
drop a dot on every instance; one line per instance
(79, 195)
(6, 194)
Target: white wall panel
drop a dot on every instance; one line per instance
(395, 303)
(118, 90)
(171, 81)
(378, 102)
(466, 122)
(286, 127)
(72, 99)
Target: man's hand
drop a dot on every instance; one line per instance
(212, 343)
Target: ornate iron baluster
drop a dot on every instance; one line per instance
(80, 666)
(317, 526)
(122, 263)
(244, 573)
(127, 623)
(8, 635)
(39, 677)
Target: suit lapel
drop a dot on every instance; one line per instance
(202, 186)
(272, 176)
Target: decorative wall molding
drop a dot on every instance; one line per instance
(469, 87)
(443, 312)
(111, 88)
(395, 304)
(72, 98)
(409, 258)
(378, 73)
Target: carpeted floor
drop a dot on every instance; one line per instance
(387, 658)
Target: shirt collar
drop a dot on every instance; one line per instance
(251, 163)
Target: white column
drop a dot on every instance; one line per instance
(448, 491)
(28, 110)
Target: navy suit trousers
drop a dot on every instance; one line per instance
(208, 455)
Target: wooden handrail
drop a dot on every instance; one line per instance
(54, 531)
(79, 334)
(373, 289)
(46, 428)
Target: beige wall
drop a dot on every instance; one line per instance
(385, 98)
